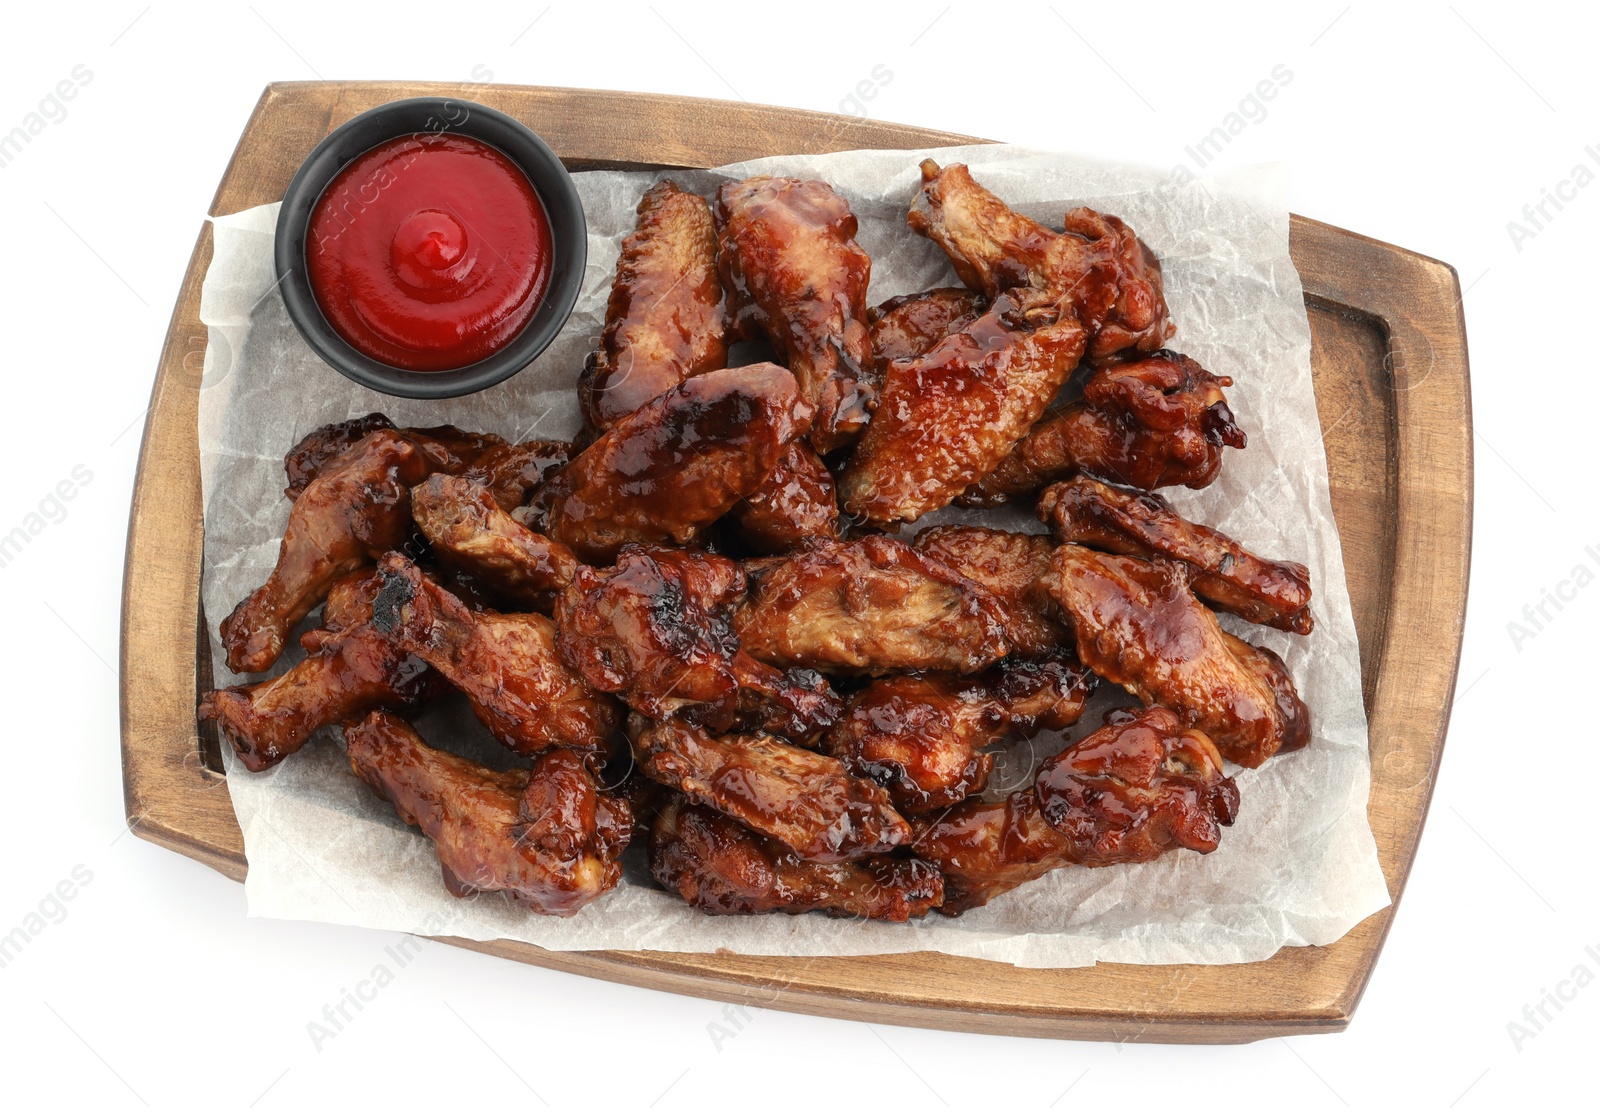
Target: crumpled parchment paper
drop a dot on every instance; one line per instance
(1299, 867)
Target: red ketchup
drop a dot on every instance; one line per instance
(429, 252)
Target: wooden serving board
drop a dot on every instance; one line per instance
(1390, 360)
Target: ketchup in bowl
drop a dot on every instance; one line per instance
(429, 252)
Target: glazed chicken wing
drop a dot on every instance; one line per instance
(680, 462)
(719, 866)
(1221, 571)
(1013, 567)
(655, 629)
(1139, 626)
(513, 473)
(475, 539)
(510, 472)
(311, 453)
(922, 738)
(352, 668)
(795, 502)
(1140, 786)
(446, 448)
(793, 269)
(1136, 788)
(665, 320)
(546, 837)
(949, 417)
(904, 328)
(357, 507)
(806, 801)
(871, 607)
(1097, 267)
(1157, 422)
(506, 665)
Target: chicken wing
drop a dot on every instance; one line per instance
(311, 453)
(1136, 788)
(1157, 422)
(906, 327)
(1139, 626)
(948, 418)
(506, 665)
(678, 463)
(719, 867)
(806, 801)
(922, 738)
(447, 448)
(352, 668)
(792, 269)
(1013, 567)
(795, 502)
(546, 837)
(1131, 791)
(475, 539)
(510, 472)
(1097, 267)
(871, 606)
(513, 473)
(358, 507)
(349, 604)
(1221, 571)
(665, 320)
(655, 629)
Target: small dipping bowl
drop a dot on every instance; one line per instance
(552, 185)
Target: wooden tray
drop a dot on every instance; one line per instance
(1390, 358)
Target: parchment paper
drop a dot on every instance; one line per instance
(1299, 866)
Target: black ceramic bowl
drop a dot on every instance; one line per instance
(550, 180)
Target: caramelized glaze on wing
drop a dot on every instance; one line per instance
(1157, 422)
(546, 837)
(806, 801)
(357, 507)
(1013, 567)
(655, 629)
(665, 320)
(922, 738)
(1131, 791)
(1097, 269)
(352, 668)
(1139, 626)
(510, 472)
(677, 464)
(1136, 788)
(949, 417)
(513, 473)
(505, 665)
(474, 538)
(795, 502)
(719, 866)
(906, 327)
(311, 453)
(1221, 571)
(793, 269)
(871, 606)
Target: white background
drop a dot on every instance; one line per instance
(1429, 128)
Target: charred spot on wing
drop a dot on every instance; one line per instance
(394, 593)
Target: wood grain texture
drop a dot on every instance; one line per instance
(1390, 363)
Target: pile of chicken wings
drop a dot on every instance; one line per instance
(697, 627)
